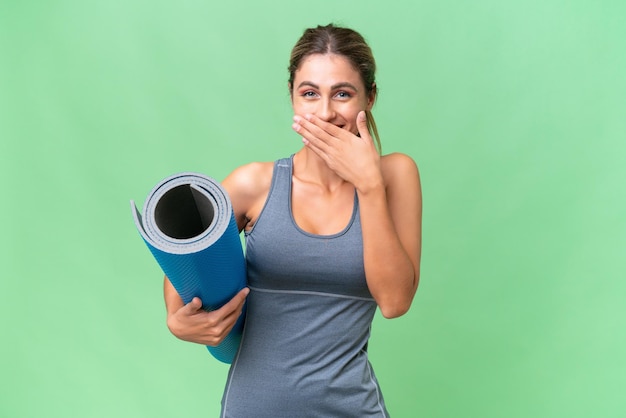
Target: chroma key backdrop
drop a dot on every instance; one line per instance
(514, 111)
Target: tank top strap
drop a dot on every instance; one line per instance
(280, 189)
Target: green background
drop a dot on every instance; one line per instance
(514, 111)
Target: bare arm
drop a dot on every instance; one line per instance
(391, 215)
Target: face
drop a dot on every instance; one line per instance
(328, 87)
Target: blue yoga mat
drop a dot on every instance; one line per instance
(189, 226)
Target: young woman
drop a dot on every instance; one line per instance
(332, 232)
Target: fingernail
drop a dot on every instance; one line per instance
(296, 118)
(308, 116)
(296, 127)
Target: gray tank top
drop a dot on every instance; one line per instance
(304, 347)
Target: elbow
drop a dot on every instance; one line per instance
(401, 305)
(395, 310)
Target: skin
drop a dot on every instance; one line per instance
(338, 157)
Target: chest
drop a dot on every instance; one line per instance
(321, 212)
(282, 256)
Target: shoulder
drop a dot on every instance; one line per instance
(402, 181)
(248, 187)
(249, 179)
(398, 167)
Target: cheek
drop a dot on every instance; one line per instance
(351, 114)
(301, 107)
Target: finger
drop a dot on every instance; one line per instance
(228, 318)
(192, 307)
(242, 295)
(317, 146)
(299, 125)
(319, 141)
(235, 304)
(361, 124)
(319, 125)
(316, 130)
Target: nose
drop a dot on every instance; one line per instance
(325, 110)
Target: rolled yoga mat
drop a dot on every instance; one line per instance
(189, 225)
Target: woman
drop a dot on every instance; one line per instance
(332, 232)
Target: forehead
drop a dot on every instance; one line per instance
(327, 69)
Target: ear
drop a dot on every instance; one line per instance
(290, 88)
(371, 99)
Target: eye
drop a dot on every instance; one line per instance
(309, 94)
(343, 94)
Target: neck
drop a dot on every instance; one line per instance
(310, 168)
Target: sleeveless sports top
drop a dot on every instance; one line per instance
(304, 347)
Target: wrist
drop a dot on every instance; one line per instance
(372, 186)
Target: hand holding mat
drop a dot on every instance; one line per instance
(189, 225)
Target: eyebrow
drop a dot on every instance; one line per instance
(343, 84)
